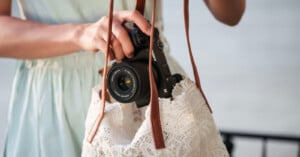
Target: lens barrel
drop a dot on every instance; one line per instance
(128, 82)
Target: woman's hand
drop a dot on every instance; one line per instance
(93, 37)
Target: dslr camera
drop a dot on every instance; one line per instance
(128, 81)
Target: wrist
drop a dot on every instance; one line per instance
(77, 34)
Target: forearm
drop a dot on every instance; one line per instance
(29, 40)
(227, 11)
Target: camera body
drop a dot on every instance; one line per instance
(128, 81)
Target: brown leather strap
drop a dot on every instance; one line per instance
(154, 105)
(98, 121)
(140, 6)
(187, 34)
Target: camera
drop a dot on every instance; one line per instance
(128, 81)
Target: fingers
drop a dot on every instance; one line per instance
(120, 49)
(102, 45)
(121, 35)
(118, 52)
(135, 17)
(120, 40)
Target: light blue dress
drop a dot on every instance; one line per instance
(51, 96)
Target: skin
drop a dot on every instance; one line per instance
(18, 41)
(227, 11)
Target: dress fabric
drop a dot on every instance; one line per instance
(50, 97)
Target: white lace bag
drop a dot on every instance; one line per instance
(186, 127)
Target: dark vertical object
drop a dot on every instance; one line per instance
(299, 149)
(229, 144)
(264, 149)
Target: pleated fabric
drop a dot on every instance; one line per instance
(49, 104)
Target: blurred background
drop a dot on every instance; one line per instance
(250, 73)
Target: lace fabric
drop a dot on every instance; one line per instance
(188, 127)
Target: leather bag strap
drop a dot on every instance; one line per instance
(103, 94)
(154, 105)
(140, 6)
(187, 34)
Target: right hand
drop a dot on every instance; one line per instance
(92, 37)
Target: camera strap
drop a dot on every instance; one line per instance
(140, 6)
(187, 34)
(154, 105)
(103, 92)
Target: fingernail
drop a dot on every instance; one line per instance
(130, 55)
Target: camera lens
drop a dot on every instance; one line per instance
(129, 82)
(124, 83)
